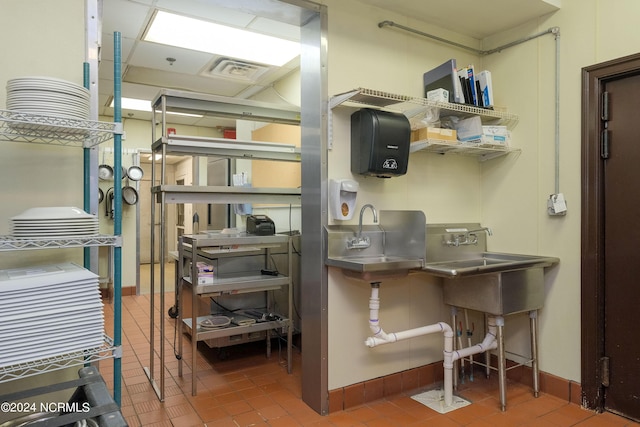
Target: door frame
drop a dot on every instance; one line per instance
(592, 242)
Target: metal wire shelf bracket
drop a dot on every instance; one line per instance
(78, 358)
(10, 243)
(40, 129)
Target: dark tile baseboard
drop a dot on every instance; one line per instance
(433, 374)
(126, 291)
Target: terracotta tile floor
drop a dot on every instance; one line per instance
(247, 389)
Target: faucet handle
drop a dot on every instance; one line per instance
(359, 242)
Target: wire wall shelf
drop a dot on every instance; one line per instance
(482, 151)
(77, 358)
(404, 104)
(42, 129)
(10, 243)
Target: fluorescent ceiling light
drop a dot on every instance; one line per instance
(204, 36)
(145, 105)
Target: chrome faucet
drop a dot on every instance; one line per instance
(359, 242)
(487, 229)
(466, 237)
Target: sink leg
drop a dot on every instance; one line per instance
(454, 319)
(533, 324)
(487, 354)
(502, 364)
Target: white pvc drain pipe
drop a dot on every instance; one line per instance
(450, 356)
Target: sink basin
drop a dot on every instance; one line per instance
(375, 268)
(397, 245)
(494, 283)
(487, 262)
(374, 263)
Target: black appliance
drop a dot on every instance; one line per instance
(90, 404)
(380, 142)
(260, 225)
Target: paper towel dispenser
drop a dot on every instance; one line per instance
(380, 142)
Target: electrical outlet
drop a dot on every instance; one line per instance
(556, 205)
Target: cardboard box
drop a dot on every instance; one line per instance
(434, 133)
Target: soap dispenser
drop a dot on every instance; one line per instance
(342, 198)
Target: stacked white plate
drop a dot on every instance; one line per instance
(48, 96)
(47, 311)
(54, 222)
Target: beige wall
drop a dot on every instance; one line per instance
(35, 175)
(508, 194)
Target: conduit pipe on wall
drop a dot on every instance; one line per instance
(552, 30)
(450, 356)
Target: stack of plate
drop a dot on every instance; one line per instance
(48, 96)
(48, 311)
(54, 222)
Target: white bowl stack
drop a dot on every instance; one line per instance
(48, 96)
(64, 222)
(48, 311)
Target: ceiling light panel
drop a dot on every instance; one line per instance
(189, 33)
(209, 11)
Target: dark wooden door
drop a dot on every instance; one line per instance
(621, 245)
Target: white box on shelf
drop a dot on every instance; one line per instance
(438, 95)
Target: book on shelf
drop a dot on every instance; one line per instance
(486, 88)
(464, 85)
(443, 76)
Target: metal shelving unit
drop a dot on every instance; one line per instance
(10, 243)
(162, 145)
(36, 128)
(414, 106)
(231, 284)
(41, 129)
(68, 360)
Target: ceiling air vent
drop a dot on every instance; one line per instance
(237, 70)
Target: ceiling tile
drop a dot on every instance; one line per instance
(275, 28)
(124, 16)
(153, 55)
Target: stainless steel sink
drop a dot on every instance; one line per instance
(397, 245)
(487, 262)
(375, 263)
(491, 282)
(494, 283)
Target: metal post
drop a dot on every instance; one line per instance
(533, 325)
(290, 305)
(117, 222)
(502, 364)
(194, 316)
(454, 319)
